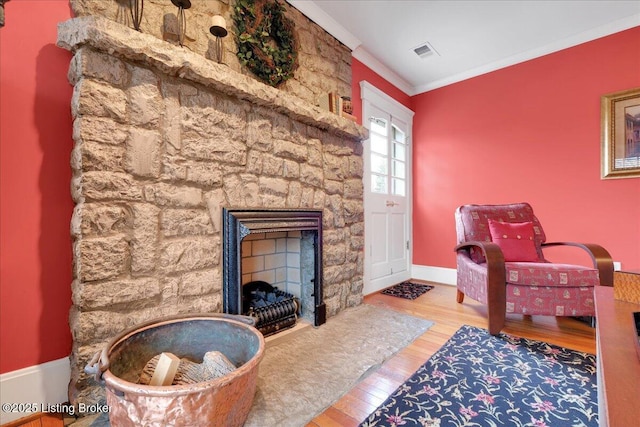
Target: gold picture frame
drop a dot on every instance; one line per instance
(620, 113)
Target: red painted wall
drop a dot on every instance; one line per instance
(530, 132)
(35, 205)
(360, 72)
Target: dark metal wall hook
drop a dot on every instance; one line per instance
(182, 19)
(136, 7)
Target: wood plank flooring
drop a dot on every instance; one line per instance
(439, 305)
(37, 420)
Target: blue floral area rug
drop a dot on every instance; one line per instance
(407, 290)
(477, 379)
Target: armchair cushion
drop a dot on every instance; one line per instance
(550, 301)
(472, 223)
(553, 275)
(515, 240)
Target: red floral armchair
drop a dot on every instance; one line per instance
(500, 263)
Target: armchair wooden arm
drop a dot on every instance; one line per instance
(496, 283)
(599, 256)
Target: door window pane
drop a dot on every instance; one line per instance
(398, 186)
(398, 135)
(378, 126)
(379, 184)
(378, 164)
(379, 144)
(399, 151)
(398, 169)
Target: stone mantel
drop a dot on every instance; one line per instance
(104, 35)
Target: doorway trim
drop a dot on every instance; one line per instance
(373, 97)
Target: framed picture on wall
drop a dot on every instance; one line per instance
(621, 134)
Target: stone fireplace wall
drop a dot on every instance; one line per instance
(165, 138)
(325, 63)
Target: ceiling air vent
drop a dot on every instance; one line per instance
(424, 50)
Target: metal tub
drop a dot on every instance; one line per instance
(223, 402)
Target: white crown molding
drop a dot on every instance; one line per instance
(367, 59)
(577, 39)
(330, 25)
(38, 385)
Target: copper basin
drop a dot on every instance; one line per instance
(223, 402)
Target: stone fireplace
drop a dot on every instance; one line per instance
(164, 141)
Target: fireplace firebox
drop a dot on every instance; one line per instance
(239, 223)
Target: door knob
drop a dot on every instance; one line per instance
(390, 203)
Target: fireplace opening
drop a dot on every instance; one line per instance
(272, 266)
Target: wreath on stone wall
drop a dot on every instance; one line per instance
(267, 43)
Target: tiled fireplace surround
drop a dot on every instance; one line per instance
(164, 140)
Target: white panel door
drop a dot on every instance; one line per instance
(387, 196)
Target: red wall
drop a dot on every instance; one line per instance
(360, 72)
(530, 132)
(35, 205)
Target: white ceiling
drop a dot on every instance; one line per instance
(470, 37)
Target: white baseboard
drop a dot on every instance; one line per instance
(443, 275)
(34, 387)
(384, 282)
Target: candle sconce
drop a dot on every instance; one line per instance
(219, 30)
(182, 19)
(129, 13)
(137, 7)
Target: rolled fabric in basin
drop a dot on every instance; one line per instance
(223, 401)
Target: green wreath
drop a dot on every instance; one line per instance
(267, 44)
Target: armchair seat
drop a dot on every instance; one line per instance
(550, 300)
(527, 283)
(549, 274)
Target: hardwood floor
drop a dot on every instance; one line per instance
(439, 305)
(37, 420)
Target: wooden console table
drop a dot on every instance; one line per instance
(618, 361)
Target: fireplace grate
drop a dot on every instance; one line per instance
(273, 309)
